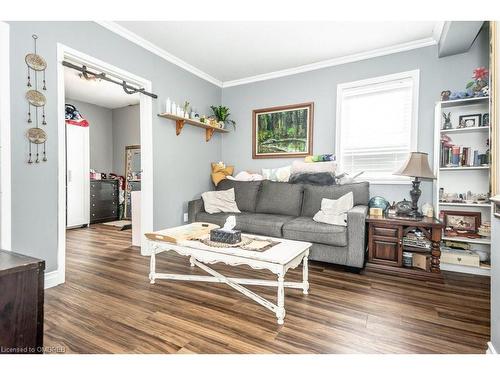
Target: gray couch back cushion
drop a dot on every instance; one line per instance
(245, 193)
(280, 198)
(314, 194)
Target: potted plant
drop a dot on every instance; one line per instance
(222, 114)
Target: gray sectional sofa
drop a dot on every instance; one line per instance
(285, 210)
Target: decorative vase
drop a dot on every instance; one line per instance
(168, 106)
(221, 124)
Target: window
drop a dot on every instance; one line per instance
(377, 125)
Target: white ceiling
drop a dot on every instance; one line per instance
(230, 51)
(102, 93)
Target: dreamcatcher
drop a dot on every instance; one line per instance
(36, 66)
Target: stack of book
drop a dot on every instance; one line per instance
(458, 156)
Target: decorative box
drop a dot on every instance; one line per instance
(225, 236)
(461, 257)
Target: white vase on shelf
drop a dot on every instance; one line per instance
(172, 108)
(168, 106)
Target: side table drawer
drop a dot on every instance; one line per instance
(385, 231)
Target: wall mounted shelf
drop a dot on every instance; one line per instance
(181, 121)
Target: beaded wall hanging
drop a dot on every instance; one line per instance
(37, 137)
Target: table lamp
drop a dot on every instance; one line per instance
(416, 166)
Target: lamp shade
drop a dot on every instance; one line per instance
(417, 165)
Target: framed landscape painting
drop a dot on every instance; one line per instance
(283, 132)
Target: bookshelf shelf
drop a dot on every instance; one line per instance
(466, 130)
(463, 102)
(484, 205)
(484, 241)
(463, 168)
(467, 146)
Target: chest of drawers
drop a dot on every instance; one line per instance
(103, 200)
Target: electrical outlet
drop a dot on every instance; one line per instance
(185, 217)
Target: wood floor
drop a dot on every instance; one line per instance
(108, 306)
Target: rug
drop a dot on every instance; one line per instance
(120, 224)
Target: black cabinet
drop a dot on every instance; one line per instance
(103, 200)
(21, 303)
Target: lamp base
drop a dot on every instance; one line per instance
(415, 195)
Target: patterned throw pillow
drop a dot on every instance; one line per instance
(277, 174)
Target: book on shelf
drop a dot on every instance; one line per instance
(459, 156)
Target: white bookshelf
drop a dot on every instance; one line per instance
(462, 179)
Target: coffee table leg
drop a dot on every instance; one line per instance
(191, 261)
(280, 312)
(152, 266)
(305, 275)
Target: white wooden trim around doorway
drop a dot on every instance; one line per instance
(146, 121)
(5, 169)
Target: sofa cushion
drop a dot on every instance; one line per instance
(249, 222)
(314, 194)
(306, 229)
(218, 218)
(263, 224)
(245, 193)
(279, 198)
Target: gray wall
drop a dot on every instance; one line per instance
(126, 132)
(100, 134)
(181, 164)
(320, 87)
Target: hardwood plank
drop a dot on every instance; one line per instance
(108, 306)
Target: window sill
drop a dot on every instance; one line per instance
(389, 182)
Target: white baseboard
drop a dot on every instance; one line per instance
(52, 279)
(491, 349)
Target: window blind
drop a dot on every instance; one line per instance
(376, 122)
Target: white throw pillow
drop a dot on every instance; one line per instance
(303, 167)
(277, 174)
(219, 201)
(245, 176)
(334, 211)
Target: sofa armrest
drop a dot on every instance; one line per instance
(195, 207)
(356, 236)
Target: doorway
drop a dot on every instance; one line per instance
(81, 137)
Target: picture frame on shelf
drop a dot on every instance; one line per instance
(469, 121)
(283, 132)
(462, 222)
(485, 120)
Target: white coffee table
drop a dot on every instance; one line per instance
(279, 259)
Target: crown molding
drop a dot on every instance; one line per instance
(134, 38)
(426, 42)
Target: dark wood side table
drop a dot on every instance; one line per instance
(21, 303)
(385, 245)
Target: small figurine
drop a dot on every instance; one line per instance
(447, 121)
(445, 95)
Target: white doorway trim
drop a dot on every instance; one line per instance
(146, 125)
(5, 158)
